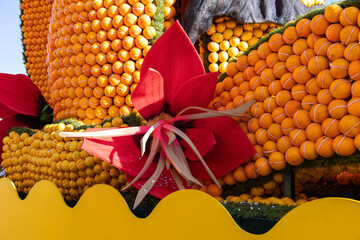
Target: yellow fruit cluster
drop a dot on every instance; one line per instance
(284, 201)
(306, 84)
(46, 156)
(36, 17)
(95, 52)
(229, 39)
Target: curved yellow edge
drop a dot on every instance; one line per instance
(102, 213)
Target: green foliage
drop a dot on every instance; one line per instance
(247, 210)
(158, 20)
(46, 115)
(20, 130)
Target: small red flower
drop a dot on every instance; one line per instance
(173, 79)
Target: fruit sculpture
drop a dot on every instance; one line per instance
(226, 39)
(85, 56)
(33, 155)
(35, 27)
(304, 78)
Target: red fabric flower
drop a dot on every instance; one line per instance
(19, 97)
(172, 79)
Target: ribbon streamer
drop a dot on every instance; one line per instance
(171, 154)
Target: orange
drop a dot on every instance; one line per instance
(349, 125)
(287, 81)
(301, 119)
(312, 38)
(321, 46)
(274, 132)
(344, 146)
(332, 32)
(257, 109)
(261, 93)
(290, 35)
(353, 106)
(250, 170)
(352, 52)
(318, 113)
(303, 28)
(283, 144)
(293, 156)
(317, 64)
(324, 96)
(266, 77)
(349, 34)
(272, 59)
(253, 124)
(239, 175)
(314, 131)
(332, 13)
(277, 161)
(264, 50)
(337, 108)
(144, 21)
(324, 147)
(300, 46)
(287, 125)
(353, 70)
(269, 104)
(275, 87)
(330, 127)
(275, 42)
(307, 55)
(282, 98)
(291, 107)
(324, 78)
(278, 114)
(340, 89)
(348, 16)
(297, 136)
(242, 63)
(298, 92)
(259, 66)
(293, 62)
(253, 57)
(308, 151)
(265, 120)
(261, 136)
(249, 73)
(319, 24)
(253, 83)
(284, 52)
(279, 69)
(262, 166)
(302, 74)
(312, 88)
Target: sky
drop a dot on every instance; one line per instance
(11, 60)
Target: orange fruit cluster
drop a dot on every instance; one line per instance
(228, 39)
(35, 17)
(47, 156)
(95, 52)
(306, 84)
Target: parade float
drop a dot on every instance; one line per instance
(264, 119)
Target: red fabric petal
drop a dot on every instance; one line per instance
(6, 112)
(122, 152)
(148, 96)
(175, 58)
(203, 140)
(19, 94)
(231, 150)
(197, 91)
(5, 125)
(163, 186)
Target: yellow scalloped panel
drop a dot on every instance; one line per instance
(102, 213)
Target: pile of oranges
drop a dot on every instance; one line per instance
(36, 17)
(44, 155)
(85, 56)
(228, 39)
(306, 84)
